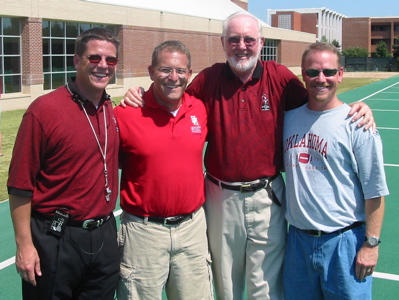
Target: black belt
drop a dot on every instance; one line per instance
(86, 224)
(318, 233)
(250, 187)
(175, 220)
(243, 188)
(90, 223)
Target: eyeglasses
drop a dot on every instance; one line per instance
(167, 71)
(95, 59)
(248, 41)
(326, 72)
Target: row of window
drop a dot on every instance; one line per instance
(58, 51)
(10, 55)
(384, 27)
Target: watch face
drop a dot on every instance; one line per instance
(373, 241)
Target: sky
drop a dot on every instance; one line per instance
(350, 8)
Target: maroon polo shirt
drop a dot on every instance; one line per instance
(245, 120)
(56, 158)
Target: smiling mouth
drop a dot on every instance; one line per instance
(172, 86)
(100, 75)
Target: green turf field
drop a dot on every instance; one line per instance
(383, 98)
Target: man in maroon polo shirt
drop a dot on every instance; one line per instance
(63, 182)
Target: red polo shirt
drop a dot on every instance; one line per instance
(161, 157)
(245, 120)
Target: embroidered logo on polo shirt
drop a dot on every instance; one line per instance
(196, 129)
(116, 124)
(265, 103)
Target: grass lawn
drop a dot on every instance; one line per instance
(10, 121)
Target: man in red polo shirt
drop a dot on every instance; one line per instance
(163, 231)
(245, 99)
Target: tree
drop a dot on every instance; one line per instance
(381, 50)
(324, 39)
(395, 47)
(336, 44)
(355, 52)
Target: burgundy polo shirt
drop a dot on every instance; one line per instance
(56, 159)
(245, 120)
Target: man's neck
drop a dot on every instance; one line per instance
(93, 96)
(169, 106)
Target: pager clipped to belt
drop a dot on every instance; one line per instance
(59, 222)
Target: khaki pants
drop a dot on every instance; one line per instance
(247, 236)
(157, 256)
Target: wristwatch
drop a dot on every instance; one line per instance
(372, 241)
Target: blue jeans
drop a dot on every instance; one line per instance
(324, 267)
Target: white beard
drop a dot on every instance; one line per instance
(242, 66)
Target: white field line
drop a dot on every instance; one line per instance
(378, 92)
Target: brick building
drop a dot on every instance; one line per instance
(368, 32)
(37, 40)
(319, 21)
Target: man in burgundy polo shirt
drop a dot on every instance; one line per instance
(246, 99)
(63, 182)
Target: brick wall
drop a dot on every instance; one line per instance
(32, 59)
(138, 43)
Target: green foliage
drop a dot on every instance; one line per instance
(355, 52)
(395, 47)
(382, 50)
(336, 44)
(324, 39)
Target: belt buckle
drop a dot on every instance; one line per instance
(174, 219)
(318, 233)
(92, 223)
(245, 186)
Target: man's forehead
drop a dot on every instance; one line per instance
(242, 25)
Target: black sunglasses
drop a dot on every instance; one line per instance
(95, 59)
(326, 72)
(235, 40)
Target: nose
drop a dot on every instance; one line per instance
(173, 75)
(321, 77)
(103, 63)
(241, 44)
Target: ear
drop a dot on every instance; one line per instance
(303, 73)
(151, 72)
(262, 41)
(222, 40)
(76, 60)
(340, 74)
(190, 72)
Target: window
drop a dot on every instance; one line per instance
(284, 21)
(377, 41)
(10, 55)
(380, 27)
(396, 27)
(59, 48)
(269, 50)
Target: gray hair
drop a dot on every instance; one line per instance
(239, 14)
